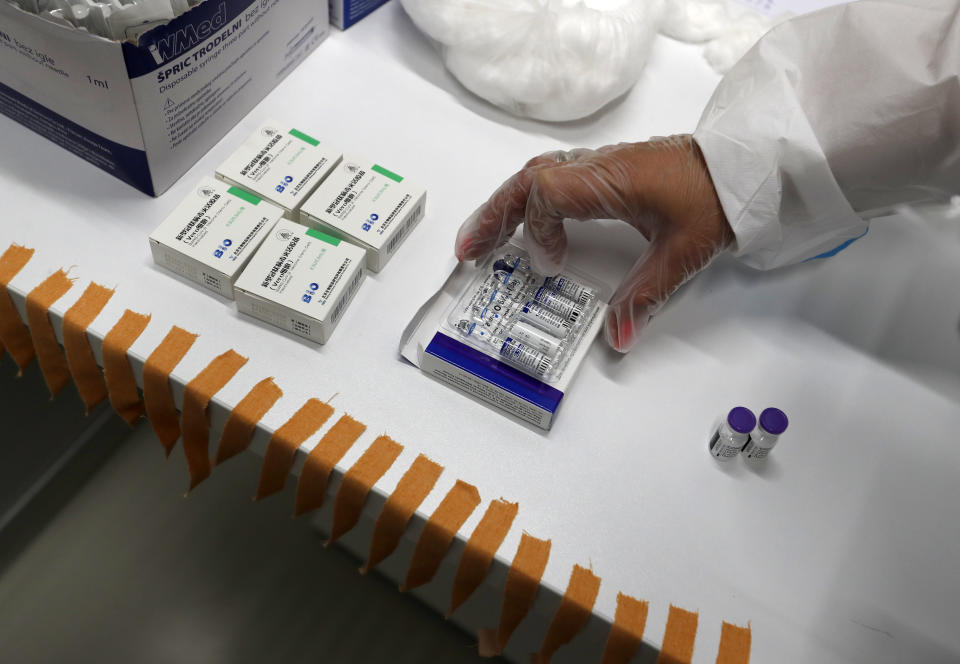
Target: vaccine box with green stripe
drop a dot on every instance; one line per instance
(212, 234)
(280, 164)
(301, 280)
(366, 204)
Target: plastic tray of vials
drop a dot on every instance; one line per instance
(531, 322)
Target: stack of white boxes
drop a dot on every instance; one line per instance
(340, 217)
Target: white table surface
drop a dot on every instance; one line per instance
(845, 548)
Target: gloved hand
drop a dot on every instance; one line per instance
(661, 187)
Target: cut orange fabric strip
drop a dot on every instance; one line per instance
(437, 535)
(519, 592)
(157, 397)
(734, 644)
(283, 445)
(412, 488)
(312, 486)
(480, 550)
(194, 421)
(572, 614)
(52, 361)
(357, 483)
(117, 372)
(242, 422)
(83, 365)
(13, 333)
(678, 637)
(626, 633)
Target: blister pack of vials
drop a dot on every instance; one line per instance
(531, 322)
(507, 336)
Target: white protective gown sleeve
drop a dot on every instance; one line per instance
(831, 119)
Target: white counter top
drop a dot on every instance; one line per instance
(846, 548)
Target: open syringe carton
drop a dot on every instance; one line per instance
(506, 335)
(148, 103)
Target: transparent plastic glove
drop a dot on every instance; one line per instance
(661, 187)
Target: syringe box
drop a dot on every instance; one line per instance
(366, 204)
(212, 234)
(281, 164)
(464, 336)
(301, 280)
(147, 109)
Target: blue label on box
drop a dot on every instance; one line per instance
(354, 10)
(494, 372)
(121, 161)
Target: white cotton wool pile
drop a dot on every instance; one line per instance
(561, 60)
(544, 59)
(695, 21)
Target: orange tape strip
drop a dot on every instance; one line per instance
(157, 397)
(412, 488)
(282, 448)
(480, 550)
(626, 633)
(52, 361)
(357, 483)
(117, 373)
(734, 644)
(83, 365)
(519, 592)
(529, 563)
(678, 637)
(195, 421)
(238, 431)
(13, 332)
(572, 614)
(312, 486)
(442, 526)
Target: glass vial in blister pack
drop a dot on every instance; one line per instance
(545, 320)
(512, 263)
(773, 422)
(732, 434)
(475, 329)
(487, 293)
(537, 339)
(496, 324)
(512, 350)
(505, 282)
(518, 353)
(569, 288)
(513, 281)
(481, 298)
(563, 284)
(498, 306)
(558, 304)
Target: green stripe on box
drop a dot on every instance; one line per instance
(247, 196)
(390, 174)
(303, 137)
(329, 239)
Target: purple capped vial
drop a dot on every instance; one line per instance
(773, 422)
(733, 433)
